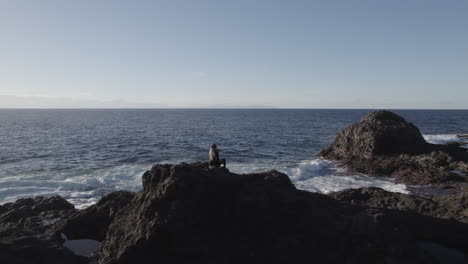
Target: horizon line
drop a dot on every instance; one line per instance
(219, 108)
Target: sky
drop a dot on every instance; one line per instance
(234, 54)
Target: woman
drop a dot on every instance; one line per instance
(214, 158)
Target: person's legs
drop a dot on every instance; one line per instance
(215, 163)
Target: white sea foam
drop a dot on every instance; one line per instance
(334, 183)
(441, 138)
(84, 188)
(322, 176)
(319, 175)
(309, 169)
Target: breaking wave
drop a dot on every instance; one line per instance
(441, 138)
(84, 188)
(81, 188)
(323, 176)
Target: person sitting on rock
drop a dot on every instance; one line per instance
(214, 158)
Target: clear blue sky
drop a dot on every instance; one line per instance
(237, 53)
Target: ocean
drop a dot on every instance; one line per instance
(85, 154)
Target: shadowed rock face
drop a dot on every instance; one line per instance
(189, 213)
(93, 222)
(446, 221)
(443, 207)
(378, 133)
(383, 143)
(27, 232)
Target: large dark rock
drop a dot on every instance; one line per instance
(27, 235)
(25, 212)
(383, 143)
(189, 213)
(93, 222)
(378, 133)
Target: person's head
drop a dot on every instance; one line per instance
(213, 146)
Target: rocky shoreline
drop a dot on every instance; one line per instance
(384, 144)
(189, 213)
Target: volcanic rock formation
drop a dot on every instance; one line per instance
(27, 232)
(93, 222)
(189, 213)
(383, 143)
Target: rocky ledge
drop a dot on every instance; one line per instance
(188, 213)
(385, 144)
(27, 232)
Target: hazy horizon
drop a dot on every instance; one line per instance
(35, 102)
(234, 54)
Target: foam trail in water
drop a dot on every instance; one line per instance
(334, 183)
(441, 138)
(318, 175)
(80, 188)
(309, 169)
(84, 188)
(322, 176)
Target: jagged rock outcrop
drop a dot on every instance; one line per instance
(27, 234)
(443, 207)
(189, 213)
(93, 222)
(383, 143)
(449, 213)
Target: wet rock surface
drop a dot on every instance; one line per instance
(188, 213)
(384, 144)
(27, 231)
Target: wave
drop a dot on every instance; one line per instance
(81, 188)
(323, 176)
(311, 168)
(84, 188)
(334, 183)
(441, 138)
(319, 175)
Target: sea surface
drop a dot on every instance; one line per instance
(84, 154)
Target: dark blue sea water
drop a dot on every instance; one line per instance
(83, 154)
